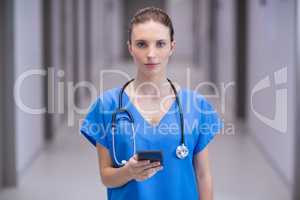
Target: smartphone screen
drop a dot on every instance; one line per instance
(153, 156)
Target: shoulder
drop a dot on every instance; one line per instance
(194, 101)
(110, 95)
(192, 95)
(108, 99)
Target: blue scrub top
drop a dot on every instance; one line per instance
(177, 180)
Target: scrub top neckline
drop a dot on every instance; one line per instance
(142, 117)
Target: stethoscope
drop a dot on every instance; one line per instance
(181, 150)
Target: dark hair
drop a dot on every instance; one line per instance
(151, 13)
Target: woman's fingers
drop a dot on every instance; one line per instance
(154, 169)
(142, 163)
(139, 166)
(143, 170)
(146, 174)
(150, 172)
(145, 166)
(152, 165)
(135, 157)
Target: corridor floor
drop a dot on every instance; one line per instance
(67, 169)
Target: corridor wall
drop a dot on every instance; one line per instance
(27, 57)
(272, 52)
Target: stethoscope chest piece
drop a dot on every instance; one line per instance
(182, 151)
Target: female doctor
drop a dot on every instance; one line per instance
(150, 112)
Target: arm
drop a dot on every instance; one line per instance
(111, 177)
(115, 177)
(204, 178)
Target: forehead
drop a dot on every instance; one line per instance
(150, 30)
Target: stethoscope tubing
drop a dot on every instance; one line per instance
(120, 109)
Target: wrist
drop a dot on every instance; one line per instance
(127, 172)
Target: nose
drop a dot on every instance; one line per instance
(151, 52)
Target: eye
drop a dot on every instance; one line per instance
(160, 44)
(141, 44)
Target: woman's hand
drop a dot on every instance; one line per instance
(142, 170)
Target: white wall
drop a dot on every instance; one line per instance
(28, 55)
(272, 47)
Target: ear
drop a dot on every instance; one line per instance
(173, 45)
(129, 47)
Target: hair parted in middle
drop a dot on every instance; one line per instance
(151, 13)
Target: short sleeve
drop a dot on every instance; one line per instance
(93, 126)
(209, 124)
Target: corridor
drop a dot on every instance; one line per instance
(58, 56)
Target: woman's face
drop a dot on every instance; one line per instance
(151, 46)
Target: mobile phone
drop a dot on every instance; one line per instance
(153, 156)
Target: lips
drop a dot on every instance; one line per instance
(151, 65)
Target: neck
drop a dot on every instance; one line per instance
(151, 85)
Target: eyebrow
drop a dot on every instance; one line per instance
(141, 40)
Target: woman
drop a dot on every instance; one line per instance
(150, 100)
